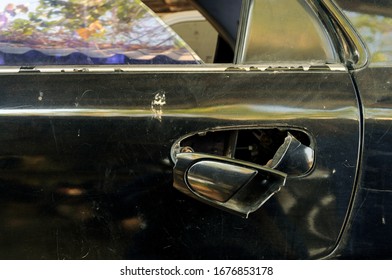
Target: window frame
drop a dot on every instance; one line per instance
(238, 63)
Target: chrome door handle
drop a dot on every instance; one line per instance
(240, 186)
(233, 185)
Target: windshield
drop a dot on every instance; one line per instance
(83, 32)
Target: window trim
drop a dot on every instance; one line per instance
(355, 52)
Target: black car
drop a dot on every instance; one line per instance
(280, 149)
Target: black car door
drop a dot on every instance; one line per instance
(368, 225)
(87, 156)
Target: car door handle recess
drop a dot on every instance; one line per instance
(238, 186)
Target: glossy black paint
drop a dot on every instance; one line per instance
(367, 235)
(85, 169)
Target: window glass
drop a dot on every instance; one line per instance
(80, 32)
(373, 21)
(196, 31)
(285, 30)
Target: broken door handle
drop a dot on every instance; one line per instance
(238, 186)
(230, 184)
(293, 157)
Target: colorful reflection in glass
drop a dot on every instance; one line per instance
(78, 32)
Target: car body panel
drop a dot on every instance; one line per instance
(365, 236)
(86, 170)
(369, 220)
(88, 153)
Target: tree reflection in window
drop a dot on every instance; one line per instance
(97, 31)
(376, 31)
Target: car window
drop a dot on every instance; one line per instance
(373, 21)
(126, 32)
(285, 31)
(47, 32)
(211, 33)
(195, 30)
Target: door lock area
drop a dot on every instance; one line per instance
(264, 147)
(239, 170)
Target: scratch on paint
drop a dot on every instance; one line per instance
(54, 136)
(356, 213)
(385, 133)
(88, 252)
(157, 105)
(79, 99)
